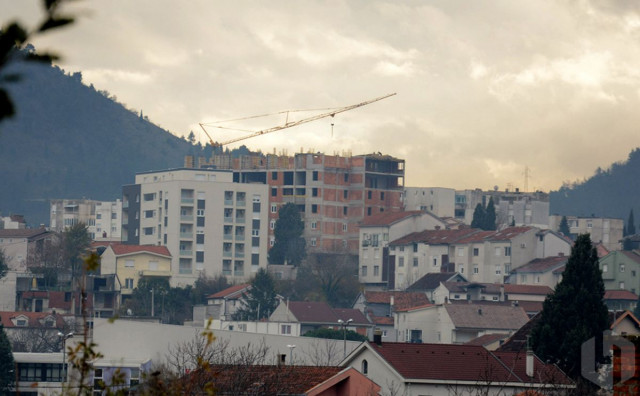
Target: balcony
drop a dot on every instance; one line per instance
(186, 235)
(228, 237)
(240, 220)
(155, 273)
(187, 253)
(239, 254)
(188, 201)
(186, 218)
(241, 203)
(239, 237)
(227, 254)
(125, 205)
(228, 202)
(228, 219)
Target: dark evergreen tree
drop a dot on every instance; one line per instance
(564, 226)
(631, 228)
(489, 222)
(3, 264)
(7, 365)
(261, 299)
(75, 242)
(478, 217)
(636, 311)
(575, 312)
(289, 246)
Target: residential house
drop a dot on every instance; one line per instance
(314, 315)
(379, 306)
(620, 300)
(130, 263)
(445, 369)
(36, 331)
(420, 253)
(457, 323)
(39, 373)
(12, 222)
(221, 305)
(23, 247)
(552, 243)
(284, 379)
(621, 270)
(377, 269)
(626, 324)
(431, 281)
(437, 200)
(103, 219)
(540, 271)
(521, 293)
(607, 231)
(209, 223)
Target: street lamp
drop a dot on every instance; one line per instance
(344, 334)
(64, 338)
(291, 348)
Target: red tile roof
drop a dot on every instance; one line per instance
(632, 254)
(264, 380)
(528, 289)
(478, 237)
(487, 339)
(401, 300)
(382, 320)
(434, 237)
(543, 264)
(388, 218)
(601, 250)
(354, 314)
(626, 314)
(620, 295)
(312, 312)
(509, 233)
(488, 316)
(432, 280)
(121, 250)
(233, 291)
(33, 318)
(444, 362)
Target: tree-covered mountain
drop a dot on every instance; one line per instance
(608, 193)
(69, 140)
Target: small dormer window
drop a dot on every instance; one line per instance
(21, 322)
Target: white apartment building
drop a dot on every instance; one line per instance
(437, 200)
(103, 218)
(208, 222)
(602, 230)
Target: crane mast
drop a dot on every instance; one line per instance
(287, 123)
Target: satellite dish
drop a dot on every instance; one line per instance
(495, 188)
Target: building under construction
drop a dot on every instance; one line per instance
(333, 192)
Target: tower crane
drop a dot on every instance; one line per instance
(287, 124)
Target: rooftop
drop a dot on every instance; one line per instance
(434, 237)
(121, 250)
(543, 264)
(388, 218)
(432, 280)
(401, 300)
(487, 316)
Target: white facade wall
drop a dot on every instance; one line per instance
(108, 222)
(411, 266)
(207, 222)
(607, 231)
(290, 329)
(437, 200)
(551, 244)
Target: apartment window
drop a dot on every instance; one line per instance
(274, 192)
(128, 263)
(633, 273)
(314, 208)
(149, 197)
(344, 210)
(199, 257)
(621, 285)
(435, 261)
(537, 279)
(274, 175)
(498, 269)
(461, 269)
(475, 269)
(507, 251)
(114, 216)
(200, 212)
(314, 225)
(344, 227)
(476, 252)
(345, 194)
(364, 270)
(238, 268)
(415, 261)
(255, 241)
(256, 207)
(621, 267)
(200, 204)
(460, 252)
(415, 248)
(497, 251)
(346, 177)
(605, 268)
(285, 329)
(314, 192)
(313, 242)
(99, 215)
(369, 211)
(272, 224)
(376, 270)
(128, 283)
(272, 241)
(274, 208)
(369, 194)
(400, 261)
(200, 221)
(315, 175)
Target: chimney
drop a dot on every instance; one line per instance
(479, 311)
(529, 363)
(377, 336)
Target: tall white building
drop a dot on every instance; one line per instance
(208, 222)
(103, 218)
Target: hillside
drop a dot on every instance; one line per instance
(70, 141)
(608, 193)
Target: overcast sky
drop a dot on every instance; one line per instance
(484, 89)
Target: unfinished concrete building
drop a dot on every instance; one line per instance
(333, 192)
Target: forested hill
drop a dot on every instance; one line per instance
(608, 193)
(69, 140)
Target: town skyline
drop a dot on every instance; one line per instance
(485, 93)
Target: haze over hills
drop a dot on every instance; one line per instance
(68, 140)
(608, 193)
